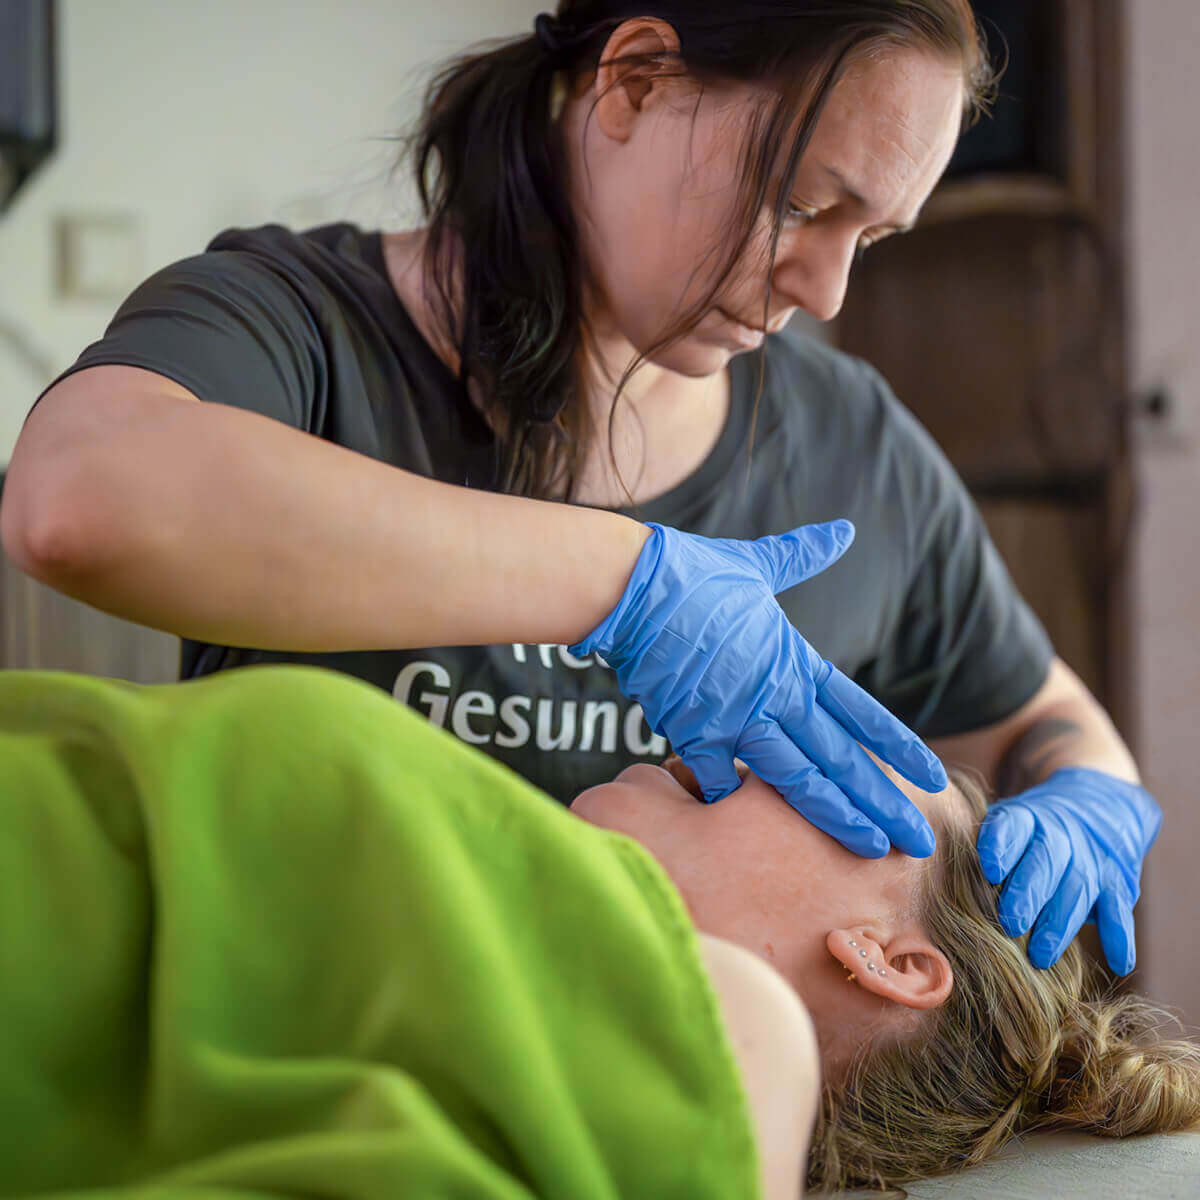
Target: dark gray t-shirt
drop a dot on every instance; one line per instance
(306, 328)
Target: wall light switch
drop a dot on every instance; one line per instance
(100, 255)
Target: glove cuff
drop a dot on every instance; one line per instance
(610, 632)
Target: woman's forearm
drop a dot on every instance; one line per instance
(226, 526)
(1061, 725)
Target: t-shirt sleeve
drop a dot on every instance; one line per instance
(965, 649)
(228, 326)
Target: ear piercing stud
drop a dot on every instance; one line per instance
(870, 966)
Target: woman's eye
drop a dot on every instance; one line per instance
(801, 214)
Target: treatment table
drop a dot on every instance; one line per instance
(1075, 1166)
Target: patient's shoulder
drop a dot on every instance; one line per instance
(775, 1044)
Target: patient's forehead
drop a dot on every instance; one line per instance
(946, 809)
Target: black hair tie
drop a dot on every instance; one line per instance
(551, 33)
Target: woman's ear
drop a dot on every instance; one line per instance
(622, 92)
(905, 968)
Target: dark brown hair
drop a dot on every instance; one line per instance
(500, 181)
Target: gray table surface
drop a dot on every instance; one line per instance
(1068, 1166)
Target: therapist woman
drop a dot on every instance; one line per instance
(524, 467)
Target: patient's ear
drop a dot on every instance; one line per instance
(905, 968)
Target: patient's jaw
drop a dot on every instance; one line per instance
(755, 872)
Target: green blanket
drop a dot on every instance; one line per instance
(271, 932)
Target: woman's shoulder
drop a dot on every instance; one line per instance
(339, 258)
(775, 1045)
(339, 237)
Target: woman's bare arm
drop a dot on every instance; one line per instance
(775, 1044)
(226, 526)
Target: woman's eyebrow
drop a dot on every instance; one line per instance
(848, 189)
(852, 193)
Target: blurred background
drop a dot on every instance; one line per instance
(1043, 320)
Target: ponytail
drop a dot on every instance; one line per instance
(1116, 1075)
(487, 118)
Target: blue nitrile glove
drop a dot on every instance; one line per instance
(700, 642)
(1074, 845)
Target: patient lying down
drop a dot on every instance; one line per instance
(938, 1039)
(271, 931)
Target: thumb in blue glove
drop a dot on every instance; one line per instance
(1071, 849)
(700, 642)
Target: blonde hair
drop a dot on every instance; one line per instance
(1013, 1049)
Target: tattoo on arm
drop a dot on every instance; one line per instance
(1025, 763)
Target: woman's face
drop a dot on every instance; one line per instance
(755, 872)
(654, 178)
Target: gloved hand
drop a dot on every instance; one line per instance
(700, 642)
(1072, 850)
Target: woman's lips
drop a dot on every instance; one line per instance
(743, 333)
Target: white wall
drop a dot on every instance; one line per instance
(1164, 181)
(196, 117)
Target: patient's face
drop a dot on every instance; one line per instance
(755, 872)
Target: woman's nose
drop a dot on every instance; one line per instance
(817, 272)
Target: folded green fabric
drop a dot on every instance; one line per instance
(271, 932)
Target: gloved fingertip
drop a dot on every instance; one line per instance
(991, 870)
(843, 530)
(924, 843)
(865, 841)
(1114, 924)
(991, 846)
(1044, 951)
(1013, 921)
(876, 846)
(1124, 966)
(714, 773)
(1121, 959)
(939, 781)
(990, 862)
(920, 766)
